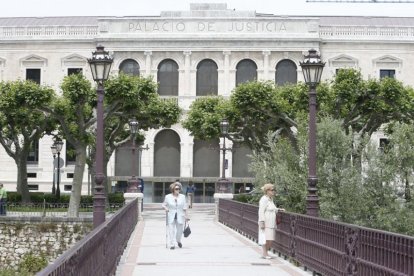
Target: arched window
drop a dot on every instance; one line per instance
(246, 71)
(130, 67)
(207, 78)
(286, 72)
(167, 154)
(168, 78)
(206, 158)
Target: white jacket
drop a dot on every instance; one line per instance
(267, 212)
(175, 207)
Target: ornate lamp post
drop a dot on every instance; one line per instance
(133, 181)
(223, 183)
(54, 152)
(224, 128)
(312, 68)
(58, 144)
(100, 64)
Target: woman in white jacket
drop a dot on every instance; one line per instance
(267, 218)
(176, 207)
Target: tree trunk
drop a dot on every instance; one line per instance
(77, 182)
(22, 187)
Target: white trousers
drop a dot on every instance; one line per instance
(175, 232)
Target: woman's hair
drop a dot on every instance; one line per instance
(173, 185)
(267, 187)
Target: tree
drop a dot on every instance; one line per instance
(368, 197)
(364, 106)
(254, 109)
(125, 96)
(399, 157)
(22, 124)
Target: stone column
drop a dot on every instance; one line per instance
(226, 85)
(187, 73)
(130, 197)
(266, 54)
(148, 55)
(217, 197)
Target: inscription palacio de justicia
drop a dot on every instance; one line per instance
(165, 26)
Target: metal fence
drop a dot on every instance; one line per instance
(54, 209)
(99, 252)
(328, 247)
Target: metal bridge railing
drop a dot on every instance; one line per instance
(328, 247)
(100, 251)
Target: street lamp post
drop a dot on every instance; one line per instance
(54, 152)
(100, 64)
(133, 181)
(59, 145)
(312, 68)
(223, 183)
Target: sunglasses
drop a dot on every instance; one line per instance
(177, 189)
(271, 190)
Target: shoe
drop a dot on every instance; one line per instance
(180, 245)
(266, 257)
(172, 247)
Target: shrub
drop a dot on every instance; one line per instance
(116, 198)
(32, 263)
(14, 197)
(37, 197)
(86, 199)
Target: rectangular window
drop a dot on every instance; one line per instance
(31, 175)
(69, 175)
(72, 71)
(33, 75)
(33, 187)
(33, 157)
(67, 188)
(385, 73)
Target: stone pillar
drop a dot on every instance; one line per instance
(148, 55)
(266, 54)
(226, 73)
(187, 73)
(217, 197)
(130, 197)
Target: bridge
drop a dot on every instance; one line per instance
(223, 242)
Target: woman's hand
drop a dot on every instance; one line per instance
(261, 224)
(280, 210)
(166, 210)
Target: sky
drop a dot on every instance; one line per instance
(40, 8)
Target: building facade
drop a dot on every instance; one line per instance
(206, 50)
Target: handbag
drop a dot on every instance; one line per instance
(187, 230)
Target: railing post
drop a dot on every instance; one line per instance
(130, 197)
(217, 197)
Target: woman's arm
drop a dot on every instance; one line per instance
(262, 209)
(165, 204)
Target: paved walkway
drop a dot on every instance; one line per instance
(212, 249)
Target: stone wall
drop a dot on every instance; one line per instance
(48, 236)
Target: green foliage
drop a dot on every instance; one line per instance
(22, 122)
(242, 198)
(32, 263)
(36, 197)
(369, 197)
(116, 198)
(206, 113)
(13, 197)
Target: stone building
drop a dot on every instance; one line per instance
(208, 49)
